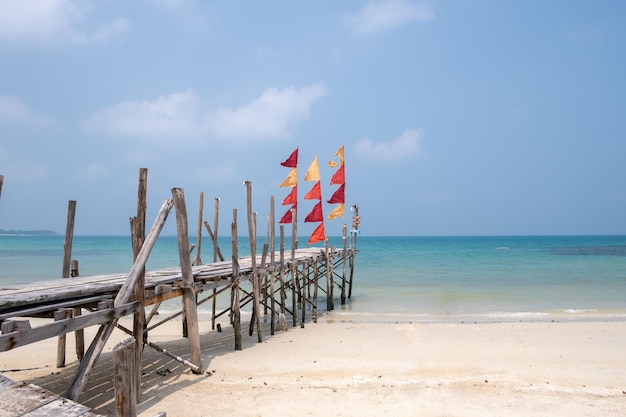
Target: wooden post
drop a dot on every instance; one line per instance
(67, 260)
(282, 319)
(62, 314)
(216, 252)
(255, 275)
(329, 282)
(125, 378)
(345, 266)
(198, 260)
(69, 237)
(189, 294)
(272, 262)
(138, 234)
(315, 274)
(235, 307)
(79, 335)
(1, 181)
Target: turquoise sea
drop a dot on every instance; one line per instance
(494, 278)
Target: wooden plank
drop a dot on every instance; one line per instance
(13, 340)
(20, 398)
(59, 407)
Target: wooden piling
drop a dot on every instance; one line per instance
(198, 259)
(138, 236)
(1, 181)
(255, 274)
(125, 378)
(189, 294)
(69, 237)
(343, 276)
(235, 307)
(272, 268)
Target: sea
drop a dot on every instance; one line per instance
(401, 278)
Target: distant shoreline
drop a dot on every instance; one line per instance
(28, 233)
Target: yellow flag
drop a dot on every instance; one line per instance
(291, 180)
(313, 173)
(338, 154)
(337, 211)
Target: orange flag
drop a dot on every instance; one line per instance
(292, 198)
(313, 173)
(318, 234)
(315, 193)
(291, 180)
(339, 177)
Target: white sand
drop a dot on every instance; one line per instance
(359, 368)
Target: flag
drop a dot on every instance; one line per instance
(292, 198)
(291, 180)
(339, 154)
(315, 193)
(313, 173)
(318, 234)
(337, 211)
(338, 177)
(315, 215)
(288, 217)
(292, 161)
(338, 196)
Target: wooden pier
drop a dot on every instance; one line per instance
(282, 285)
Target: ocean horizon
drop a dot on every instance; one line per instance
(407, 278)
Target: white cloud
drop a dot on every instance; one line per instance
(186, 117)
(53, 21)
(408, 144)
(270, 115)
(381, 15)
(12, 109)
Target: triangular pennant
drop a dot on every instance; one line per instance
(318, 234)
(291, 180)
(292, 161)
(288, 217)
(313, 173)
(292, 198)
(338, 177)
(315, 193)
(338, 211)
(315, 215)
(338, 196)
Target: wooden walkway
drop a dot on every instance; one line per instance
(28, 400)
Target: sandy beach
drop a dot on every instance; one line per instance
(365, 368)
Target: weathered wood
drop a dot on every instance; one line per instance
(235, 307)
(255, 274)
(61, 315)
(24, 337)
(189, 295)
(198, 259)
(138, 267)
(80, 378)
(138, 233)
(69, 237)
(344, 231)
(282, 319)
(125, 378)
(1, 181)
(272, 271)
(195, 368)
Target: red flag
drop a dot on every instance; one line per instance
(292, 161)
(318, 234)
(292, 198)
(339, 177)
(339, 195)
(288, 217)
(315, 193)
(315, 215)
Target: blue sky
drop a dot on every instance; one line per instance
(459, 117)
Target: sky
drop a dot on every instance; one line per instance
(458, 117)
